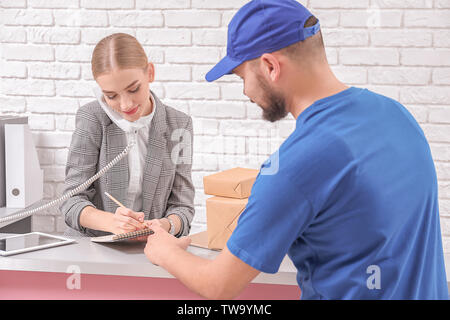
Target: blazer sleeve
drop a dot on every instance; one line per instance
(81, 165)
(181, 199)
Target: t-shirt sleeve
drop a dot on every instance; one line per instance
(275, 216)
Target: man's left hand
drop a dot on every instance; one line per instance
(161, 243)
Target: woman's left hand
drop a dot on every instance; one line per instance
(162, 223)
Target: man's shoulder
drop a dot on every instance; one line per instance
(305, 157)
(305, 145)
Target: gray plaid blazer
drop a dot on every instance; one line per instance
(167, 185)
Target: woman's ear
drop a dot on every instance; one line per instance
(151, 72)
(270, 67)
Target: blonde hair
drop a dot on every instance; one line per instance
(117, 51)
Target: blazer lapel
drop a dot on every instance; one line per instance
(156, 149)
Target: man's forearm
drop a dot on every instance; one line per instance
(192, 271)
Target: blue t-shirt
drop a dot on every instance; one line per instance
(351, 196)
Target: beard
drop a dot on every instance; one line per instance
(275, 108)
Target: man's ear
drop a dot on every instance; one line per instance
(270, 67)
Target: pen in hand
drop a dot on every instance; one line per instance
(120, 204)
(115, 200)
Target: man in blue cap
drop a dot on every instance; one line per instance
(353, 201)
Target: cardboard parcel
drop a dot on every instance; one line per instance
(222, 215)
(231, 189)
(233, 183)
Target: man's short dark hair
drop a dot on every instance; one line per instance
(310, 47)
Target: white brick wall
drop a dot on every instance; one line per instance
(400, 48)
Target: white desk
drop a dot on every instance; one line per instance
(123, 264)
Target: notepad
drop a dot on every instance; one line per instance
(123, 236)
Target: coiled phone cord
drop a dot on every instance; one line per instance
(73, 192)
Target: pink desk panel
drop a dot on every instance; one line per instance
(31, 285)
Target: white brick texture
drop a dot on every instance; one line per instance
(399, 48)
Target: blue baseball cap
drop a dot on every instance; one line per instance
(262, 26)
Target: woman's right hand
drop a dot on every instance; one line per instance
(126, 220)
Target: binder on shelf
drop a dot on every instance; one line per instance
(24, 176)
(6, 120)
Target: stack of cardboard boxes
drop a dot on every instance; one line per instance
(231, 189)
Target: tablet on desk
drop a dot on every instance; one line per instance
(20, 243)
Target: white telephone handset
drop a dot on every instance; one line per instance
(125, 125)
(73, 192)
